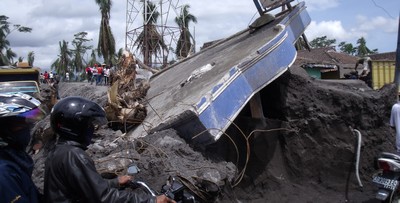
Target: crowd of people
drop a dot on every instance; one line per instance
(49, 77)
(98, 74)
(70, 174)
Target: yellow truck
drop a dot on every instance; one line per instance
(383, 69)
(22, 78)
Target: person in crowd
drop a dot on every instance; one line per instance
(55, 84)
(41, 78)
(106, 75)
(51, 77)
(395, 123)
(89, 74)
(18, 113)
(46, 77)
(70, 174)
(67, 76)
(100, 75)
(95, 73)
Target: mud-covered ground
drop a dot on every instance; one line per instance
(302, 152)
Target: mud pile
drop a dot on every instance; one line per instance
(302, 151)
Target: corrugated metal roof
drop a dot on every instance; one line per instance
(388, 56)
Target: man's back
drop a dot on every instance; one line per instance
(395, 116)
(15, 177)
(71, 176)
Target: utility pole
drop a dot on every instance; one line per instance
(397, 68)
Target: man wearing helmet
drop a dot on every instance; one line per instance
(18, 113)
(70, 174)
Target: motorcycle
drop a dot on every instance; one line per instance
(387, 178)
(173, 188)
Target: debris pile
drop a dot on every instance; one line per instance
(125, 108)
(302, 151)
(159, 156)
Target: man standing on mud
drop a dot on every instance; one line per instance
(395, 123)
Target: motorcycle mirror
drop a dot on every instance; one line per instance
(133, 169)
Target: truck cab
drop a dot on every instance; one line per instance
(22, 78)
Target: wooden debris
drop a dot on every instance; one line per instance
(125, 108)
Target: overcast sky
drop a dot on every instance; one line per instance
(56, 20)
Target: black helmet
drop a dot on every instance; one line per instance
(18, 113)
(73, 118)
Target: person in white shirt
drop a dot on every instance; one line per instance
(395, 123)
(106, 75)
(94, 72)
(51, 77)
(67, 76)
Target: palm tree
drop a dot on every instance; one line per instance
(79, 51)
(7, 57)
(184, 46)
(93, 58)
(362, 49)
(106, 45)
(347, 48)
(149, 41)
(10, 55)
(63, 61)
(321, 42)
(117, 56)
(31, 58)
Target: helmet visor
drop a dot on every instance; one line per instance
(33, 115)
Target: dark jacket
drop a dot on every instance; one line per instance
(15, 177)
(71, 176)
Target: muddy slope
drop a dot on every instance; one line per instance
(302, 152)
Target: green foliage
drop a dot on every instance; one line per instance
(106, 44)
(22, 28)
(321, 42)
(6, 54)
(151, 14)
(347, 48)
(78, 51)
(184, 45)
(149, 42)
(360, 50)
(64, 59)
(31, 58)
(93, 58)
(10, 55)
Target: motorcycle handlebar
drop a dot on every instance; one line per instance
(137, 184)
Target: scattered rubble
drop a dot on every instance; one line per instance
(302, 151)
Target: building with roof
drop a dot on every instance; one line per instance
(326, 63)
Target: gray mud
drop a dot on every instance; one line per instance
(303, 150)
